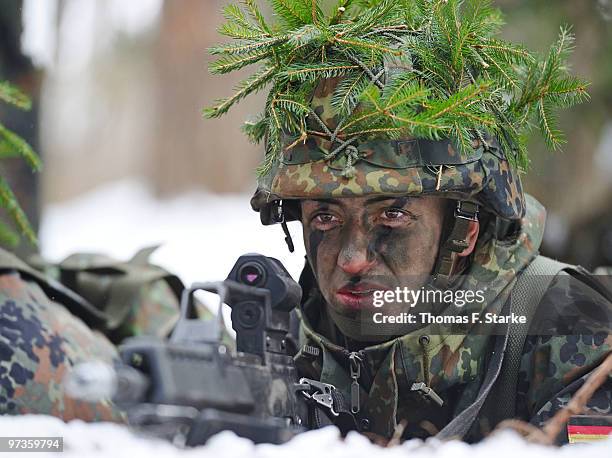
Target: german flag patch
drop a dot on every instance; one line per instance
(587, 428)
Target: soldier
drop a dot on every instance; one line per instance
(398, 228)
(393, 135)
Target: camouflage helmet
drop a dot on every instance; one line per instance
(314, 168)
(393, 97)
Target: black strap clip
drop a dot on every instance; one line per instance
(319, 392)
(466, 210)
(278, 216)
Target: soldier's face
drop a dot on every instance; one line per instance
(360, 244)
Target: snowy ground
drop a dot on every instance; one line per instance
(202, 236)
(83, 440)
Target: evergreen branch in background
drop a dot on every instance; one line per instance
(13, 96)
(8, 237)
(13, 146)
(417, 68)
(8, 201)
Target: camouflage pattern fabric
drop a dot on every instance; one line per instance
(405, 167)
(136, 296)
(456, 364)
(152, 312)
(574, 326)
(40, 341)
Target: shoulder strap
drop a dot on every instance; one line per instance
(499, 384)
(459, 426)
(530, 287)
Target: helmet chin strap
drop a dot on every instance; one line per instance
(288, 239)
(279, 217)
(456, 242)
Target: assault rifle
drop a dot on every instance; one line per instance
(191, 386)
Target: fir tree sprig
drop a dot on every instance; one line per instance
(13, 146)
(424, 68)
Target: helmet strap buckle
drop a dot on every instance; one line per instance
(466, 210)
(457, 241)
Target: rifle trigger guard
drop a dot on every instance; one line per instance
(319, 392)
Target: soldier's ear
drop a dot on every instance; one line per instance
(472, 237)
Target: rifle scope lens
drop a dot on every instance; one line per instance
(252, 274)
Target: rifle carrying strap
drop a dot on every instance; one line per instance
(345, 421)
(501, 377)
(526, 295)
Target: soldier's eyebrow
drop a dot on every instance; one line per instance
(328, 201)
(403, 199)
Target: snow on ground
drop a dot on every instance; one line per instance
(202, 236)
(108, 440)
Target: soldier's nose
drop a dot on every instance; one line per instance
(355, 256)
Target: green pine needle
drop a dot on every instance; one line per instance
(252, 84)
(8, 237)
(13, 96)
(296, 13)
(256, 15)
(13, 146)
(446, 72)
(8, 201)
(231, 63)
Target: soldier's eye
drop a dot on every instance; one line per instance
(396, 217)
(325, 221)
(393, 213)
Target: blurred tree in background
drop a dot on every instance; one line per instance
(19, 174)
(575, 185)
(12, 146)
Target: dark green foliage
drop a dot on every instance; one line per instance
(445, 72)
(12, 146)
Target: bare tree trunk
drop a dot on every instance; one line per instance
(189, 151)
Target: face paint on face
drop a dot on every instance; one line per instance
(315, 237)
(361, 244)
(314, 240)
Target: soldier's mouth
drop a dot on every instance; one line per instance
(358, 295)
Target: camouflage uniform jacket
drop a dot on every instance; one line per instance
(554, 364)
(41, 340)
